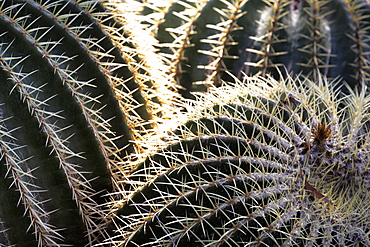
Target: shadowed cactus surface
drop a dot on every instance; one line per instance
(71, 101)
(204, 39)
(260, 163)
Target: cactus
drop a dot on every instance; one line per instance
(71, 102)
(85, 100)
(206, 40)
(258, 163)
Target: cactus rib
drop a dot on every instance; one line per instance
(212, 39)
(67, 97)
(266, 163)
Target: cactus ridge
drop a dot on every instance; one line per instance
(38, 100)
(71, 107)
(29, 191)
(207, 40)
(266, 163)
(148, 69)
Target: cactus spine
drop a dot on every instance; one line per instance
(260, 163)
(70, 107)
(205, 40)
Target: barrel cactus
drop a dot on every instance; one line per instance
(71, 102)
(206, 40)
(258, 163)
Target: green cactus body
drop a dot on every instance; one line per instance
(259, 163)
(68, 103)
(205, 40)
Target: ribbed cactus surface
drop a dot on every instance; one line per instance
(259, 163)
(205, 40)
(71, 101)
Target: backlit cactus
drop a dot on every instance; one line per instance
(71, 102)
(205, 39)
(259, 163)
(86, 98)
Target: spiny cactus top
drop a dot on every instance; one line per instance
(203, 39)
(266, 163)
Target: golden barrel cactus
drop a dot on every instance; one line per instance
(258, 163)
(206, 40)
(72, 99)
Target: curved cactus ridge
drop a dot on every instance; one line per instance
(147, 67)
(262, 163)
(204, 39)
(70, 105)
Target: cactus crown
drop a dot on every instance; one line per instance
(264, 163)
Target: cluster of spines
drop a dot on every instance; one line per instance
(148, 69)
(239, 172)
(70, 110)
(41, 103)
(207, 40)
